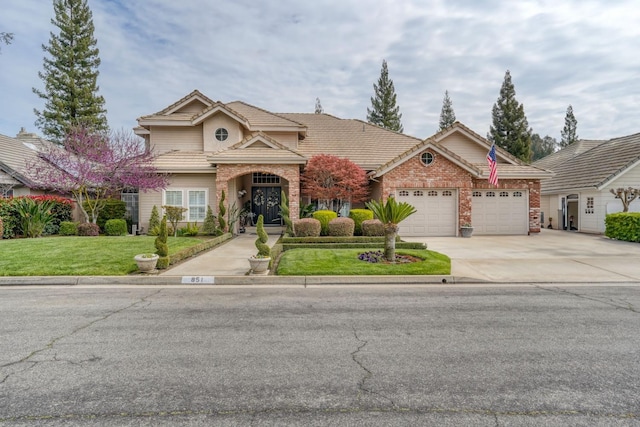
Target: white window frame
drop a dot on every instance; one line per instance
(184, 197)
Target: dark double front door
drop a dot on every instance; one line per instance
(265, 201)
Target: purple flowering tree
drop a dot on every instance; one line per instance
(94, 166)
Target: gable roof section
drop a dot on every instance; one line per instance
(265, 120)
(596, 167)
(15, 153)
(257, 148)
(178, 161)
(196, 95)
(366, 145)
(512, 169)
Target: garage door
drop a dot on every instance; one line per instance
(436, 212)
(500, 212)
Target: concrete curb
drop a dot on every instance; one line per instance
(161, 280)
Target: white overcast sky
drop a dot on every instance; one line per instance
(281, 54)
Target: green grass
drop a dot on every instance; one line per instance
(79, 256)
(335, 262)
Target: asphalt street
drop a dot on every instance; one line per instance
(423, 355)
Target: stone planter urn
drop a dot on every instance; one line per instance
(466, 231)
(146, 262)
(259, 265)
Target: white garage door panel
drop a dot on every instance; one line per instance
(500, 212)
(436, 212)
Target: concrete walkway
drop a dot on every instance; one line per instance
(228, 259)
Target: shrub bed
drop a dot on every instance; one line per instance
(372, 227)
(68, 228)
(115, 227)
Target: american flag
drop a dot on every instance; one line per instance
(493, 166)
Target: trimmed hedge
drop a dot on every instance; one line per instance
(359, 215)
(324, 216)
(623, 226)
(336, 239)
(307, 227)
(341, 227)
(115, 227)
(68, 228)
(194, 250)
(372, 227)
(346, 245)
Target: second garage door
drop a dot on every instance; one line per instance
(500, 212)
(436, 212)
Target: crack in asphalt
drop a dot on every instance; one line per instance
(368, 374)
(343, 410)
(608, 301)
(50, 344)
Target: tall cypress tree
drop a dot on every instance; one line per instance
(510, 129)
(447, 116)
(568, 133)
(384, 112)
(70, 74)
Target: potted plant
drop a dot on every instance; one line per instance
(260, 262)
(466, 229)
(146, 262)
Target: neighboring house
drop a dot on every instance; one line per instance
(578, 197)
(252, 154)
(15, 154)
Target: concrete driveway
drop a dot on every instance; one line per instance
(547, 257)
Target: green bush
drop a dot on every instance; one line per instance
(359, 215)
(88, 229)
(623, 226)
(68, 228)
(162, 248)
(324, 216)
(9, 218)
(154, 222)
(115, 227)
(111, 209)
(209, 226)
(372, 227)
(341, 227)
(307, 227)
(189, 230)
(264, 251)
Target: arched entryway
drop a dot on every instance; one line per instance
(258, 188)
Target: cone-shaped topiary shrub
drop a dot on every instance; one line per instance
(162, 249)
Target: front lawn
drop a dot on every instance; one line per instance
(337, 262)
(80, 256)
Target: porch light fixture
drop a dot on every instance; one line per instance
(241, 193)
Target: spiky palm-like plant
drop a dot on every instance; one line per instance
(390, 214)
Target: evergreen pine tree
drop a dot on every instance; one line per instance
(542, 147)
(5, 38)
(447, 116)
(384, 112)
(568, 133)
(319, 109)
(70, 74)
(510, 129)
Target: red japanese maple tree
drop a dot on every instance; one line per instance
(330, 178)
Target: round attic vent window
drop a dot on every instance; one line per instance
(426, 158)
(222, 134)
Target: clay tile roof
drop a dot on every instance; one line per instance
(365, 144)
(260, 118)
(595, 167)
(184, 161)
